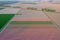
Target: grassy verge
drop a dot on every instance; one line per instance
(31, 22)
(16, 7)
(1, 8)
(4, 19)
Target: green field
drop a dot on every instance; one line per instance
(4, 19)
(28, 3)
(31, 22)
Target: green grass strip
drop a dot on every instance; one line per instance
(2, 8)
(4, 19)
(31, 22)
(28, 3)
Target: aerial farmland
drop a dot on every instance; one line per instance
(30, 21)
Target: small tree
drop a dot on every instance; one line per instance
(42, 9)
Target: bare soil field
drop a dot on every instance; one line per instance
(41, 32)
(49, 5)
(30, 15)
(55, 17)
(34, 31)
(9, 11)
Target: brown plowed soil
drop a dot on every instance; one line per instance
(22, 32)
